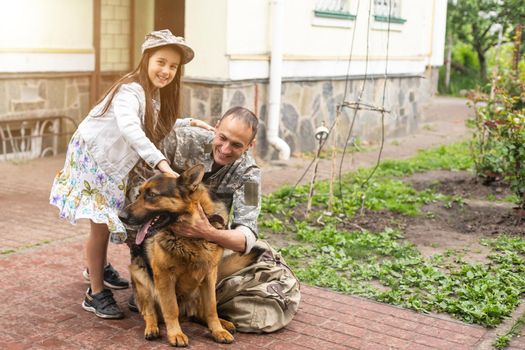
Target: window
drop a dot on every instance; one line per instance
(338, 9)
(388, 11)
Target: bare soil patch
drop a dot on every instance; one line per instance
(459, 226)
(479, 211)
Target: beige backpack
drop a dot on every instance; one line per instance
(262, 297)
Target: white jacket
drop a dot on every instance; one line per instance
(116, 139)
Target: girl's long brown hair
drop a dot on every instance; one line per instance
(169, 97)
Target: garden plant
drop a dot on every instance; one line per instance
(499, 134)
(331, 249)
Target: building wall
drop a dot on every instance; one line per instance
(115, 35)
(313, 46)
(66, 95)
(36, 36)
(46, 67)
(38, 105)
(46, 60)
(143, 24)
(205, 31)
(315, 64)
(440, 28)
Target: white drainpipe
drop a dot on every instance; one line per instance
(276, 64)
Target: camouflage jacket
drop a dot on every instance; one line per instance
(237, 185)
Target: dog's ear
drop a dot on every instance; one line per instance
(217, 221)
(192, 177)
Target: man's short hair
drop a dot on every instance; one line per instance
(245, 115)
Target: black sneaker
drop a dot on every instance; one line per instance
(112, 278)
(132, 305)
(102, 304)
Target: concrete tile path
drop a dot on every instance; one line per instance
(42, 258)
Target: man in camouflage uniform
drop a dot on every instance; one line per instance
(268, 298)
(230, 173)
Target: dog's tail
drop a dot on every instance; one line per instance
(235, 262)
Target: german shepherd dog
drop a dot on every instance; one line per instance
(179, 274)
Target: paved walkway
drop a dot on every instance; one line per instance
(42, 258)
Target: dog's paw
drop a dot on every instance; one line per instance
(222, 336)
(230, 327)
(178, 339)
(151, 333)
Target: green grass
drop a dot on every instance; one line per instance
(28, 246)
(348, 261)
(382, 192)
(502, 341)
(383, 265)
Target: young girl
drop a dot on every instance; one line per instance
(125, 126)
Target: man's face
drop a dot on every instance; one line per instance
(232, 138)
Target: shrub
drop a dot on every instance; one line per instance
(499, 137)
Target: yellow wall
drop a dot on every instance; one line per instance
(144, 23)
(115, 29)
(205, 31)
(46, 26)
(249, 26)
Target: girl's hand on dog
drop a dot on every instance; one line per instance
(164, 167)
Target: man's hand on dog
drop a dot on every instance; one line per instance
(201, 227)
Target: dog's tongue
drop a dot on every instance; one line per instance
(142, 232)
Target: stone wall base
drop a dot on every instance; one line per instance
(306, 105)
(39, 110)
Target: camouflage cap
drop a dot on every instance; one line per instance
(164, 37)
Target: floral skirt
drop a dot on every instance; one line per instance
(84, 191)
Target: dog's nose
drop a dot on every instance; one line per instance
(123, 216)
